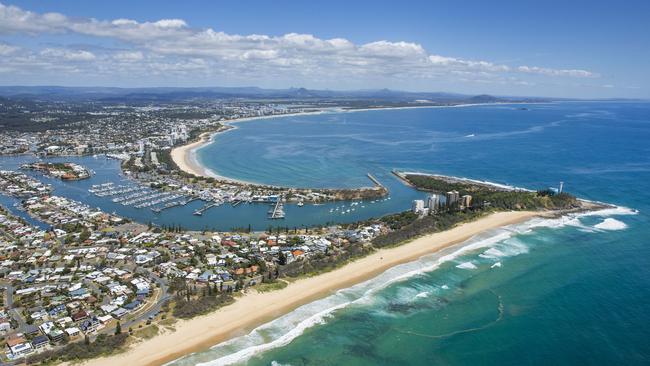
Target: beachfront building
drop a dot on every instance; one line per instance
(466, 201)
(452, 197)
(433, 203)
(418, 206)
(40, 342)
(18, 346)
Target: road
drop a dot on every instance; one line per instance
(151, 311)
(9, 304)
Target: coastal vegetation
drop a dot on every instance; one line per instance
(406, 227)
(187, 309)
(191, 301)
(271, 286)
(79, 351)
(325, 262)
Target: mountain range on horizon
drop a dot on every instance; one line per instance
(50, 92)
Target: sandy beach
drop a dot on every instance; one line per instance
(254, 309)
(182, 156)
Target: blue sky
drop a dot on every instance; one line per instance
(551, 48)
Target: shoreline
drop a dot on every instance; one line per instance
(246, 314)
(185, 155)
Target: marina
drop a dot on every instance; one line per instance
(139, 197)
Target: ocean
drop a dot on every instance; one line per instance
(572, 290)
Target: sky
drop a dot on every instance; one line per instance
(578, 49)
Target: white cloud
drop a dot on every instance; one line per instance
(556, 72)
(15, 20)
(170, 23)
(6, 49)
(128, 56)
(468, 64)
(67, 54)
(171, 44)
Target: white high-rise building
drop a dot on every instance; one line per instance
(418, 206)
(466, 201)
(140, 147)
(182, 132)
(178, 133)
(433, 203)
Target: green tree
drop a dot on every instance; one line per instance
(85, 234)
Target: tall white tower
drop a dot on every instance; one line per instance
(561, 187)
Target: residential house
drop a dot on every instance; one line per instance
(40, 341)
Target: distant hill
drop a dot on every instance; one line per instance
(484, 98)
(162, 94)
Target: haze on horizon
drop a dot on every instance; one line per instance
(593, 49)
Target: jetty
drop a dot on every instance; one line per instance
(402, 178)
(166, 206)
(278, 210)
(375, 180)
(185, 202)
(201, 210)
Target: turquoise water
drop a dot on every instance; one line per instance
(573, 290)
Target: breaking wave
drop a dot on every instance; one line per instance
(611, 224)
(466, 265)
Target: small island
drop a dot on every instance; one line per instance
(63, 171)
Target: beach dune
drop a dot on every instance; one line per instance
(254, 309)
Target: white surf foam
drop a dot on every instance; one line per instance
(496, 265)
(573, 219)
(492, 253)
(276, 363)
(611, 224)
(466, 265)
(612, 211)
